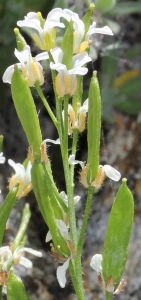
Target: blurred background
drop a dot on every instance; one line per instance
(117, 60)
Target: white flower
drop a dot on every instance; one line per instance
(21, 176)
(2, 158)
(9, 258)
(30, 67)
(111, 173)
(56, 142)
(96, 263)
(93, 29)
(79, 31)
(44, 30)
(65, 198)
(61, 273)
(77, 120)
(66, 82)
(62, 228)
(72, 161)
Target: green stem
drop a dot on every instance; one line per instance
(109, 296)
(22, 229)
(0, 292)
(85, 220)
(77, 286)
(60, 120)
(74, 146)
(69, 183)
(54, 120)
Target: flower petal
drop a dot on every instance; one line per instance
(32, 251)
(48, 237)
(72, 161)
(56, 142)
(61, 273)
(9, 72)
(112, 173)
(96, 263)
(62, 228)
(25, 262)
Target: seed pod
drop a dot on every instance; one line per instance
(15, 288)
(118, 235)
(47, 206)
(94, 128)
(5, 210)
(26, 110)
(21, 43)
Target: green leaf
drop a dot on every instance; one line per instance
(5, 210)
(118, 234)
(15, 288)
(133, 52)
(104, 5)
(131, 87)
(125, 8)
(129, 105)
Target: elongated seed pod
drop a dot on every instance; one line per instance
(5, 210)
(118, 235)
(15, 288)
(26, 110)
(94, 128)
(46, 204)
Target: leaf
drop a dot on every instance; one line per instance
(118, 234)
(131, 105)
(15, 288)
(125, 8)
(104, 5)
(5, 210)
(131, 87)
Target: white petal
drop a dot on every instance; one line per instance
(25, 262)
(62, 228)
(32, 251)
(42, 56)
(4, 249)
(55, 14)
(58, 67)
(24, 56)
(31, 23)
(56, 142)
(103, 30)
(61, 273)
(19, 169)
(2, 158)
(112, 173)
(72, 161)
(57, 54)
(81, 59)
(9, 72)
(48, 237)
(76, 199)
(96, 263)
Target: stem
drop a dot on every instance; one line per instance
(85, 220)
(23, 226)
(78, 284)
(69, 183)
(74, 145)
(39, 91)
(109, 296)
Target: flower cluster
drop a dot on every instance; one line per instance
(44, 35)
